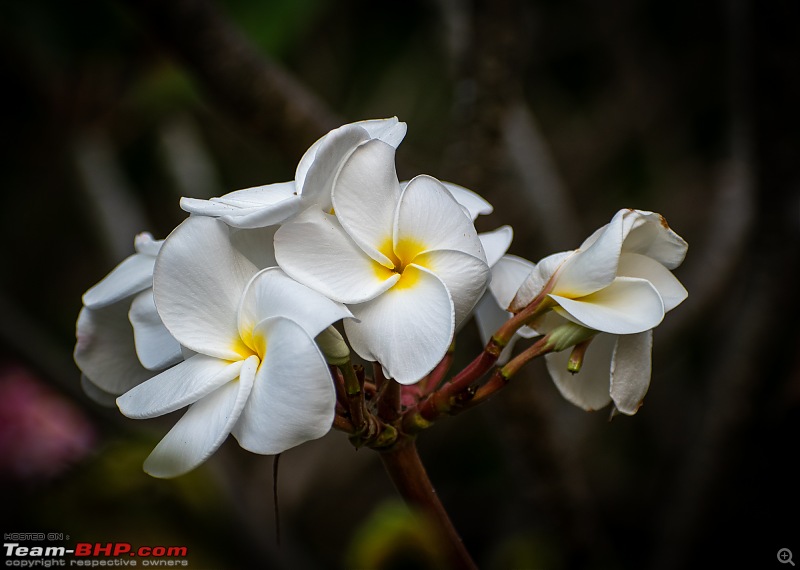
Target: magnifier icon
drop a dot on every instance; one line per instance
(785, 556)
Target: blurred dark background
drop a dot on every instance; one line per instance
(559, 113)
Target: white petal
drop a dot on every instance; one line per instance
(390, 131)
(508, 275)
(464, 276)
(650, 235)
(365, 194)
(489, 316)
(257, 196)
(332, 150)
(293, 398)
(548, 322)
(667, 285)
(272, 293)
(408, 329)
(178, 387)
(198, 284)
(203, 428)
(145, 244)
(538, 279)
(256, 207)
(475, 204)
(589, 388)
(264, 216)
(156, 348)
(626, 306)
(630, 371)
(496, 243)
(105, 351)
(315, 250)
(429, 218)
(133, 275)
(307, 160)
(594, 267)
(257, 245)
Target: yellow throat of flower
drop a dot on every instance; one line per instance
(400, 257)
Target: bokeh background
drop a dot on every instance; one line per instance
(559, 113)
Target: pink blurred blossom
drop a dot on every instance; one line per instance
(41, 433)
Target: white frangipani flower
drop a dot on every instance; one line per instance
(272, 204)
(257, 372)
(408, 263)
(618, 282)
(121, 340)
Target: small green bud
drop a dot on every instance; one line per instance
(386, 438)
(567, 335)
(576, 357)
(333, 347)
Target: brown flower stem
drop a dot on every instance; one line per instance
(377, 372)
(439, 402)
(532, 310)
(502, 376)
(353, 386)
(407, 472)
(343, 424)
(389, 401)
(460, 389)
(338, 384)
(369, 390)
(431, 381)
(483, 363)
(460, 393)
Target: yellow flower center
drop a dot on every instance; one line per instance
(400, 256)
(250, 344)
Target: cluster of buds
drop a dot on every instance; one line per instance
(248, 311)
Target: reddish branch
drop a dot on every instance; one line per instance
(405, 468)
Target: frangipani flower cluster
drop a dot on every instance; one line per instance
(233, 315)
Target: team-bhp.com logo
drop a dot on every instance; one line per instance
(94, 554)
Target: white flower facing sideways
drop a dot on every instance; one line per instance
(407, 261)
(618, 282)
(121, 341)
(272, 204)
(256, 373)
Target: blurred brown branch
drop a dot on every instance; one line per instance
(544, 191)
(259, 94)
(118, 213)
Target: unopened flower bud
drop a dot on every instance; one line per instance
(567, 335)
(333, 347)
(576, 357)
